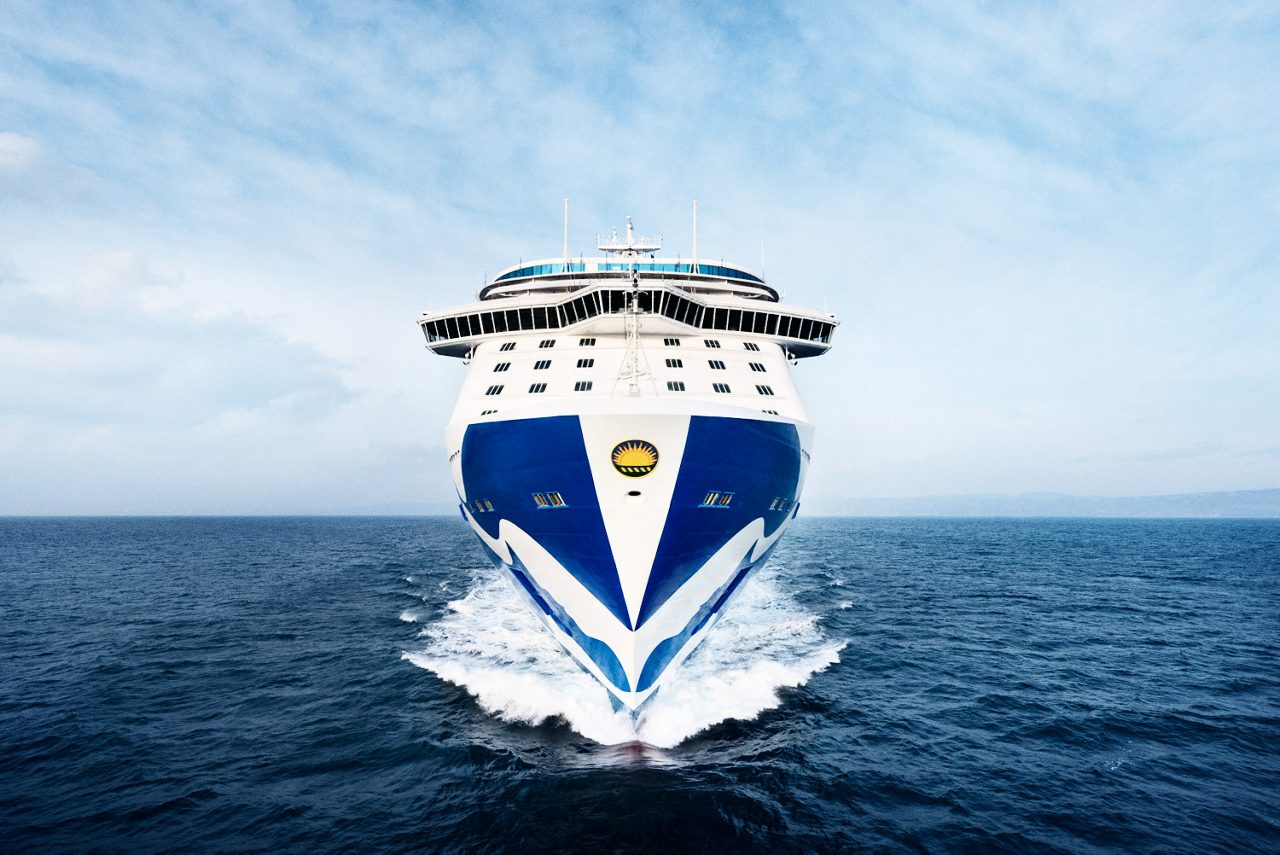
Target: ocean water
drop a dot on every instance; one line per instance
(892, 685)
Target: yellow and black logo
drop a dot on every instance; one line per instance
(635, 458)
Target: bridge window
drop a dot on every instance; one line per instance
(542, 365)
(756, 366)
(537, 388)
(675, 363)
(710, 342)
(508, 345)
(716, 364)
(494, 390)
(586, 342)
(546, 342)
(765, 390)
(501, 366)
(675, 386)
(586, 363)
(671, 342)
(722, 388)
(582, 386)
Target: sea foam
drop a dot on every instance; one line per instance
(490, 644)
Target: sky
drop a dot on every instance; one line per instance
(1051, 233)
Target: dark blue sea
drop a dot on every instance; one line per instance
(902, 685)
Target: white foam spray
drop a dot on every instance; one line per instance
(490, 644)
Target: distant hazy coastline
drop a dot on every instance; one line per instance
(1236, 503)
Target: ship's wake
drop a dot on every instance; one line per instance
(490, 644)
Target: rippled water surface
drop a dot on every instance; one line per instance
(898, 685)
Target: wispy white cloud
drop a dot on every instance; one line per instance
(1048, 229)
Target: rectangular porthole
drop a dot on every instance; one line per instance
(547, 342)
(722, 388)
(509, 345)
(716, 364)
(582, 386)
(770, 412)
(501, 366)
(586, 342)
(716, 499)
(765, 390)
(751, 345)
(487, 412)
(756, 366)
(671, 342)
(542, 365)
(537, 388)
(549, 500)
(675, 386)
(710, 342)
(675, 363)
(586, 363)
(494, 390)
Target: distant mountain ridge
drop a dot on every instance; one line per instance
(1233, 503)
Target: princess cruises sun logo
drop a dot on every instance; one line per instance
(635, 458)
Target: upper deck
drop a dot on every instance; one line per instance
(558, 274)
(596, 295)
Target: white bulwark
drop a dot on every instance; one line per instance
(628, 444)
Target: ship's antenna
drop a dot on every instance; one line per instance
(694, 266)
(566, 230)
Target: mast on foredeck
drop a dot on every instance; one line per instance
(632, 246)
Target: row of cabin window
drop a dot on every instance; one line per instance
(543, 364)
(585, 386)
(781, 504)
(480, 506)
(591, 342)
(716, 499)
(549, 500)
(606, 302)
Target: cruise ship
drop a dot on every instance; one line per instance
(628, 444)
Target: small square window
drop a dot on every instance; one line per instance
(537, 388)
(675, 386)
(542, 365)
(586, 363)
(675, 363)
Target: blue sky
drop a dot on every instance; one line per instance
(1049, 231)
